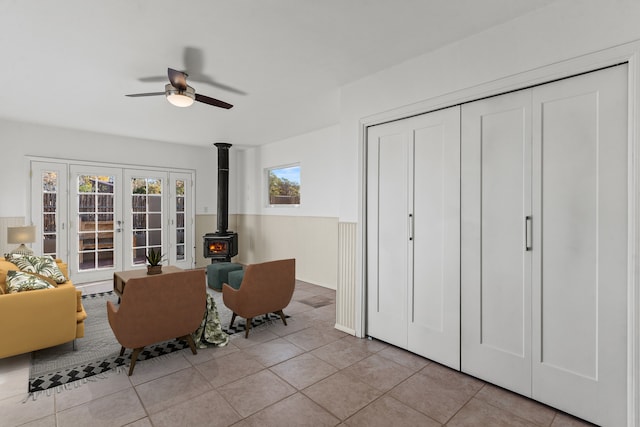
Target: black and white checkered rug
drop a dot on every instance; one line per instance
(97, 352)
(240, 325)
(90, 369)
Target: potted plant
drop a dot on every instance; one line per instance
(154, 259)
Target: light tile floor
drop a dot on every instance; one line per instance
(304, 374)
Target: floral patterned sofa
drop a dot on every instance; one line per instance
(36, 319)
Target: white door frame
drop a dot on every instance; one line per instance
(629, 53)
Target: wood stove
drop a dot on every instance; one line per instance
(219, 247)
(223, 244)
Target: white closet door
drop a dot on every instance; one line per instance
(580, 195)
(413, 234)
(434, 290)
(496, 268)
(387, 232)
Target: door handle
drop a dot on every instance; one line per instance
(528, 229)
(410, 226)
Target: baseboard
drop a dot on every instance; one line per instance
(345, 329)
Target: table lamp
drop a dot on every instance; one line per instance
(21, 235)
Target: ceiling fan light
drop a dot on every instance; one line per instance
(180, 98)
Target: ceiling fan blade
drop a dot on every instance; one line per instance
(146, 94)
(153, 79)
(212, 101)
(178, 79)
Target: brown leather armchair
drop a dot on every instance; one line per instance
(265, 288)
(158, 308)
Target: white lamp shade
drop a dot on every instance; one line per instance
(179, 100)
(26, 234)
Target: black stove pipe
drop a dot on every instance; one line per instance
(223, 187)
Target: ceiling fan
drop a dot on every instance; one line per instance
(180, 94)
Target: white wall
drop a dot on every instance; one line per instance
(318, 154)
(20, 140)
(560, 31)
(309, 232)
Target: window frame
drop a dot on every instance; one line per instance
(267, 197)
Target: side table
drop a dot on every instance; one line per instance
(120, 278)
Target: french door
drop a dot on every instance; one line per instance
(181, 241)
(104, 219)
(49, 207)
(95, 226)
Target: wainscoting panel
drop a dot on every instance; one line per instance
(8, 221)
(312, 241)
(346, 291)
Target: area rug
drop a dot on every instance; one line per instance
(99, 351)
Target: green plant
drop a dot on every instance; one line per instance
(154, 257)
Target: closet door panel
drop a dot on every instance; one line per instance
(434, 295)
(496, 268)
(580, 194)
(569, 247)
(387, 234)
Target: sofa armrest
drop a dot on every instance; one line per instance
(42, 318)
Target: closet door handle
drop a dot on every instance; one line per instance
(410, 226)
(528, 237)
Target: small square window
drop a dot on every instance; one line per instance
(283, 185)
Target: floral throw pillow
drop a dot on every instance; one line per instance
(19, 281)
(43, 265)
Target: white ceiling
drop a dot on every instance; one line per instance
(69, 63)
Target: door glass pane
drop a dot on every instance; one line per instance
(155, 237)
(139, 221)
(49, 213)
(95, 199)
(155, 220)
(146, 217)
(180, 219)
